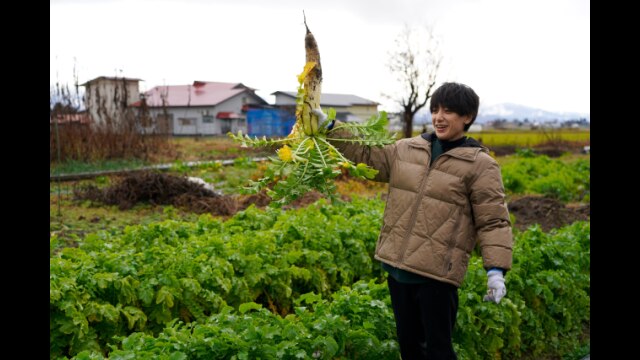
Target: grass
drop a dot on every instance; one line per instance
(208, 148)
(531, 138)
(566, 157)
(71, 220)
(179, 149)
(227, 179)
(75, 219)
(73, 167)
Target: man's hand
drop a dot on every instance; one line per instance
(495, 283)
(321, 115)
(322, 118)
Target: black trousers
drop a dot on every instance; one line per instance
(425, 316)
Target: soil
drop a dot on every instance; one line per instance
(159, 189)
(164, 189)
(549, 213)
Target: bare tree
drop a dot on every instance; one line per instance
(414, 61)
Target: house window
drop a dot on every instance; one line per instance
(207, 119)
(187, 121)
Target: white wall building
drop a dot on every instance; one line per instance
(109, 99)
(202, 108)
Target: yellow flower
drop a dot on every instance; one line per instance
(307, 67)
(284, 153)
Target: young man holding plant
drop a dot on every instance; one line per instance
(445, 196)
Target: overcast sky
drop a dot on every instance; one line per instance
(529, 52)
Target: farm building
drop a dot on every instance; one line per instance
(109, 99)
(348, 107)
(201, 108)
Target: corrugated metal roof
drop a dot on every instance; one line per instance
(327, 99)
(200, 93)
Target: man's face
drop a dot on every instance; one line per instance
(448, 124)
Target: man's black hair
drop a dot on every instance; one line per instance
(456, 97)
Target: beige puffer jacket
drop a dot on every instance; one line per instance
(434, 215)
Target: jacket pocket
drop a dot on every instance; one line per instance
(452, 258)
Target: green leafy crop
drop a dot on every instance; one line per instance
(307, 162)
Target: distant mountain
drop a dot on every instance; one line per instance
(511, 111)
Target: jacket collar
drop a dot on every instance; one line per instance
(420, 143)
(468, 151)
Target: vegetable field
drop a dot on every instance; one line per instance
(299, 282)
(286, 284)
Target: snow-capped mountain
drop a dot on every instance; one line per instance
(510, 112)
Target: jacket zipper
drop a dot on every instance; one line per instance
(447, 264)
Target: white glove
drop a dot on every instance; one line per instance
(321, 115)
(495, 283)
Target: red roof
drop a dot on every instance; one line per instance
(228, 115)
(200, 93)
